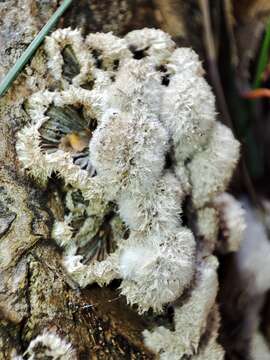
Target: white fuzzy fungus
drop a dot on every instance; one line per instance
(132, 133)
(190, 318)
(51, 345)
(231, 222)
(221, 224)
(253, 257)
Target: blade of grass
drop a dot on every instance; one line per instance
(263, 58)
(31, 49)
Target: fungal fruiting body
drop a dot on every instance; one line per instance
(252, 261)
(130, 129)
(190, 318)
(48, 345)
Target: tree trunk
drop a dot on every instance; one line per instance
(35, 293)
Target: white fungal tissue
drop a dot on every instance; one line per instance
(190, 319)
(48, 344)
(129, 126)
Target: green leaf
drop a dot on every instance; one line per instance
(263, 58)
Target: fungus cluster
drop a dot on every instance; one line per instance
(129, 126)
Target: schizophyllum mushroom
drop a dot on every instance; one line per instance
(48, 345)
(129, 126)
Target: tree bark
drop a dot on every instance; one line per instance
(35, 293)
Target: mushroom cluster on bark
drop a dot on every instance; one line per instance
(129, 126)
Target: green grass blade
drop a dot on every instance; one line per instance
(263, 58)
(31, 49)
